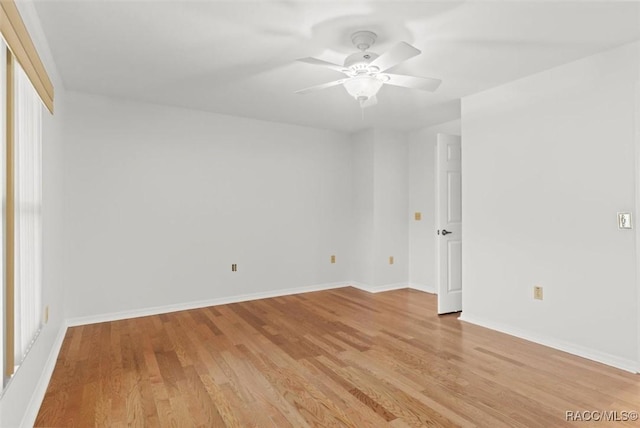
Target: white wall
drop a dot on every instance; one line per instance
(21, 399)
(422, 198)
(161, 201)
(380, 209)
(391, 207)
(547, 163)
(362, 269)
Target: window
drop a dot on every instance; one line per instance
(22, 213)
(27, 161)
(25, 89)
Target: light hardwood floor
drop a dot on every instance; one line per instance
(333, 358)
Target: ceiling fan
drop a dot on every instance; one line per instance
(366, 71)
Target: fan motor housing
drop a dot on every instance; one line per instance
(359, 62)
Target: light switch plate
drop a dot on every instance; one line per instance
(624, 221)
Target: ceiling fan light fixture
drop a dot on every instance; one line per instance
(363, 87)
(366, 71)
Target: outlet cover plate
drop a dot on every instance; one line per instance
(537, 292)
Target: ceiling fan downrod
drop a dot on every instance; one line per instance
(363, 40)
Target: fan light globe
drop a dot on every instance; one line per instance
(362, 87)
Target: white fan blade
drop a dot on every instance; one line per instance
(323, 63)
(424, 83)
(371, 101)
(400, 52)
(323, 86)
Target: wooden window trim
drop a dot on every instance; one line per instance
(19, 42)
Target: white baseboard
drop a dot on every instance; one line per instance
(390, 287)
(378, 288)
(423, 287)
(136, 313)
(29, 417)
(571, 348)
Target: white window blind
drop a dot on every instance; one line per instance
(28, 214)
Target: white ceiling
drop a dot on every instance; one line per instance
(238, 57)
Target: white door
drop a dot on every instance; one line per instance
(449, 224)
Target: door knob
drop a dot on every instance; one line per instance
(445, 232)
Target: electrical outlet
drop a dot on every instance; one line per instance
(390, 260)
(418, 216)
(46, 314)
(333, 259)
(234, 268)
(537, 292)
